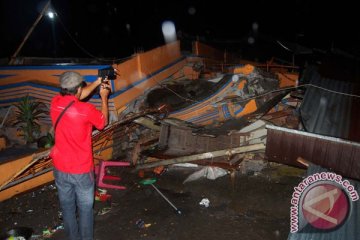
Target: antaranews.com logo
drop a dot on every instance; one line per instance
(322, 200)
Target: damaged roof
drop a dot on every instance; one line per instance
(287, 145)
(330, 116)
(331, 107)
(248, 92)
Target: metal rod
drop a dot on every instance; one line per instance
(177, 210)
(13, 58)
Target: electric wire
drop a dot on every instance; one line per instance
(169, 89)
(286, 89)
(84, 50)
(189, 99)
(264, 94)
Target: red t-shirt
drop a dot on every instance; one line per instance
(72, 152)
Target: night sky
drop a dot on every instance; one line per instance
(117, 29)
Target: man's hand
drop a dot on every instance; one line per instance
(105, 89)
(104, 94)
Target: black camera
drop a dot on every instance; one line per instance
(108, 72)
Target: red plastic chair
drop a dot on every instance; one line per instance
(100, 171)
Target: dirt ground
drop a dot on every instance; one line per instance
(246, 206)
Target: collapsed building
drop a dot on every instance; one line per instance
(160, 99)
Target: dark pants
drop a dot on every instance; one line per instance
(76, 192)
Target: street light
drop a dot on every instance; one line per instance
(51, 14)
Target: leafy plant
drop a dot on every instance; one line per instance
(28, 114)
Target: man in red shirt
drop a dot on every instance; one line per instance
(72, 153)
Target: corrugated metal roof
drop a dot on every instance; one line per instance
(286, 145)
(348, 231)
(329, 108)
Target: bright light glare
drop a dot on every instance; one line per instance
(169, 32)
(51, 15)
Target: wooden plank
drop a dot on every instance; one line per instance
(22, 165)
(10, 168)
(207, 155)
(26, 185)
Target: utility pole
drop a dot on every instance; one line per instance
(13, 57)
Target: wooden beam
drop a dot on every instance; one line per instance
(207, 155)
(26, 185)
(303, 161)
(14, 168)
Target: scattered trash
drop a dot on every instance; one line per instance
(48, 232)
(141, 224)
(205, 202)
(209, 172)
(29, 211)
(215, 172)
(60, 215)
(104, 211)
(101, 190)
(141, 173)
(16, 238)
(59, 227)
(159, 170)
(101, 195)
(36, 236)
(19, 233)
